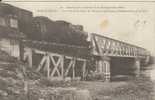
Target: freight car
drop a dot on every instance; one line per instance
(11, 22)
(15, 20)
(58, 31)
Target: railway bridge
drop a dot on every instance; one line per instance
(104, 56)
(115, 57)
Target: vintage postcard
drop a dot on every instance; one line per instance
(77, 50)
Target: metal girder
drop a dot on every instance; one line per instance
(103, 46)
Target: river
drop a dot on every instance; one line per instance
(150, 73)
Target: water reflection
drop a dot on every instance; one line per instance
(150, 73)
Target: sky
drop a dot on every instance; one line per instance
(132, 22)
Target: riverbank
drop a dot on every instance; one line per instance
(136, 89)
(16, 80)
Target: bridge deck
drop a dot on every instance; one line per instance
(69, 50)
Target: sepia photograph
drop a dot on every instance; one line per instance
(77, 50)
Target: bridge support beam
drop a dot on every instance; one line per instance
(103, 68)
(28, 56)
(137, 67)
(106, 65)
(54, 65)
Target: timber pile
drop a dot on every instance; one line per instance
(13, 75)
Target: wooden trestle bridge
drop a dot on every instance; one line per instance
(62, 61)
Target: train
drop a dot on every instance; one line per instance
(15, 21)
(20, 23)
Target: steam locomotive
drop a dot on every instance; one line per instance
(15, 21)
